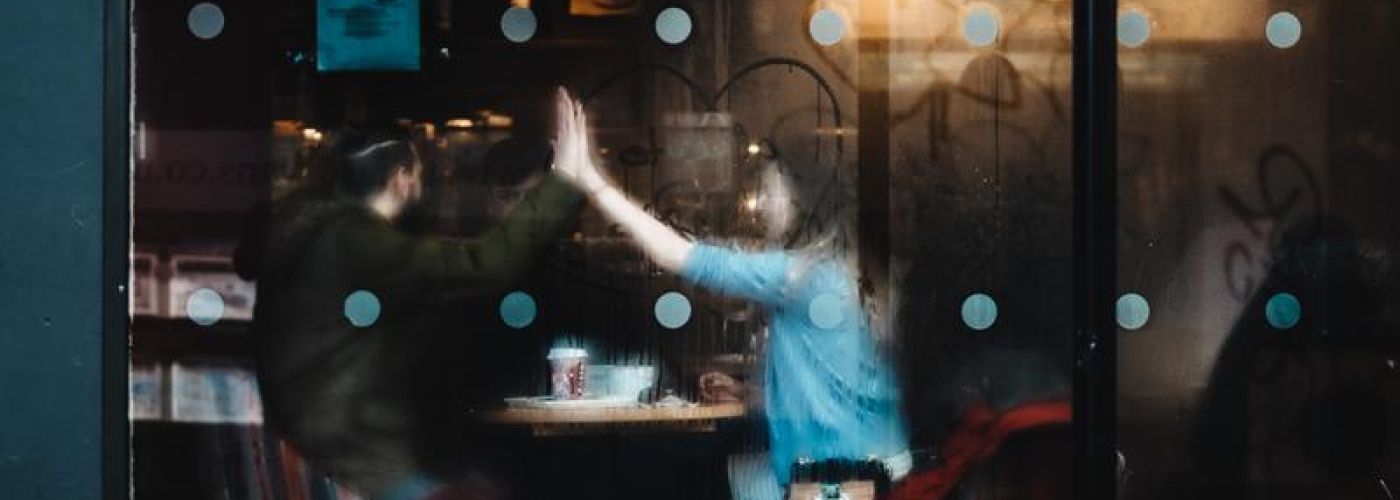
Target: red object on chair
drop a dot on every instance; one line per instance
(979, 435)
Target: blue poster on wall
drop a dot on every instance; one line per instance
(356, 35)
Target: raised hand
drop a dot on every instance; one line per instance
(573, 158)
(573, 161)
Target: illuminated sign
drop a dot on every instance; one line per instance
(603, 7)
(367, 35)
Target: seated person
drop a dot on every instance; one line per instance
(828, 393)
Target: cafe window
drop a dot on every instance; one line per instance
(782, 249)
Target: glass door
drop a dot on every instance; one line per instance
(1257, 152)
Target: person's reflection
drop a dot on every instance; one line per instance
(1266, 404)
(492, 367)
(340, 314)
(510, 169)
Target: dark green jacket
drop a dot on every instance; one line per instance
(332, 388)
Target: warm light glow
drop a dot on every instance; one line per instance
(311, 135)
(286, 127)
(499, 121)
(751, 203)
(141, 140)
(834, 131)
(754, 148)
(460, 123)
(427, 129)
(1037, 29)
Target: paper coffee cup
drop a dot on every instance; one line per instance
(568, 372)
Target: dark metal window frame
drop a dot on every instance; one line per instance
(1095, 193)
(1095, 94)
(116, 239)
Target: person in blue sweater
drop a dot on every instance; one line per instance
(829, 392)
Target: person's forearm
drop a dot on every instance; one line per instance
(660, 242)
(498, 256)
(573, 161)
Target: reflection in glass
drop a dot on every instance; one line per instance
(1250, 190)
(419, 244)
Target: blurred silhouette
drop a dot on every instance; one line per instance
(346, 383)
(1276, 414)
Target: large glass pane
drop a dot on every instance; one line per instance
(825, 251)
(1257, 158)
(980, 224)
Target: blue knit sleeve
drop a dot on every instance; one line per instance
(759, 276)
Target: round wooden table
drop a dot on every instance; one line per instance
(569, 422)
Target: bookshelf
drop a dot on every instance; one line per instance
(215, 446)
(161, 340)
(199, 461)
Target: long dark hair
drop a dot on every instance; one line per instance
(823, 231)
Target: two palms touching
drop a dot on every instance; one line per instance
(573, 161)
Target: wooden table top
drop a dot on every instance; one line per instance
(561, 422)
(639, 414)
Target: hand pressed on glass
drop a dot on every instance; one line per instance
(573, 159)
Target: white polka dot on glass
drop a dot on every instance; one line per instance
(673, 25)
(518, 310)
(205, 20)
(518, 24)
(1132, 311)
(362, 308)
(979, 311)
(1283, 30)
(981, 26)
(827, 27)
(1283, 311)
(672, 310)
(1134, 28)
(204, 307)
(825, 311)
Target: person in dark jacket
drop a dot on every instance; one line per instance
(339, 317)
